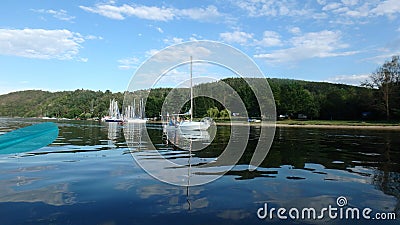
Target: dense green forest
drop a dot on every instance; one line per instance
(316, 100)
(65, 104)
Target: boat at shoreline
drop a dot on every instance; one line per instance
(188, 125)
(113, 113)
(131, 115)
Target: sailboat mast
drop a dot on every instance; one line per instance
(134, 109)
(141, 109)
(191, 90)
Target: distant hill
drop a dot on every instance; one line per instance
(24, 103)
(68, 104)
(292, 97)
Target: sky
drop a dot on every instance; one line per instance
(98, 45)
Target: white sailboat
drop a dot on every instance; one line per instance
(188, 125)
(113, 113)
(130, 113)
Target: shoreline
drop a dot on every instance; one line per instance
(324, 126)
(366, 126)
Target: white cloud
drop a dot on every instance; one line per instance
(120, 12)
(176, 40)
(59, 14)
(84, 60)
(236, 37)
(323, 39)
(257, 8)
(357, 13)
(350, 2)
(270, 38)
(112, 11)
(385, 53)
(172, 78)
(347, 12)
(128, 63)
(173, 41)
(355, 9)
(151, 52)
(295, 30)
(332, 6)
(197, 36)
(382, 55)
(193, 38)
(202, 73)
(310, 45)
(40, 43)
(388, 7)
(203, 14)
(319, 16)
(92, 37)
(180, 53)
(349, 79)
(160, 30)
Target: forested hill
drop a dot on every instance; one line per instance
(315, 99)
(64, 104)
(323, 100)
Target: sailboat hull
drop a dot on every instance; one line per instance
(136, 120)
(113, 120)
(192, 125)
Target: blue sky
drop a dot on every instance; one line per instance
(68, 45)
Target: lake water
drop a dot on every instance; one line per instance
(89, 176)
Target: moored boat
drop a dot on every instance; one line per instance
(204, 124)
(113, 113)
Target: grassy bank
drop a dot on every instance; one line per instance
(331, 124)
(338, 123)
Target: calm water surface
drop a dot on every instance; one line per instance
(88, 176)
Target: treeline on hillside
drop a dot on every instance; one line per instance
(66, 104)
(316, 100)
(323, 100)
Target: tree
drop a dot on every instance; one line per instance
(213, 112)
(386, 79)
(224, 114)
